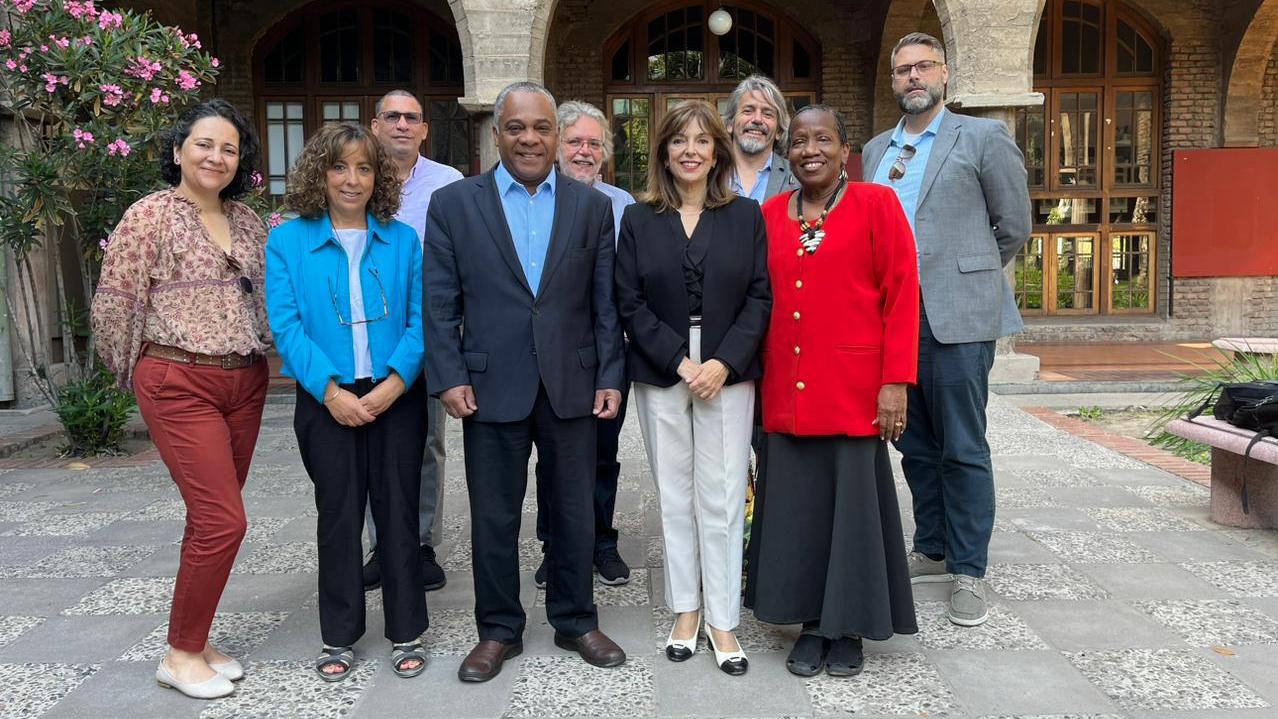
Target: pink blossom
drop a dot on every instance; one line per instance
(112, 95)
(52, 81)
(78, 10)
(23, 6)
(186, 81)
(275, 220)
(119, 147)
(256, 179)
(188, 41)
(102, 243)
(216, 62)
(22, 68)
(44, 48)
(86, 41)
(158, 97)
(61, 42)
(143, 68)
(82, 138)
(5, 38)
(110, 20)
(11, 64)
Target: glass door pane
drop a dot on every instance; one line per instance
(1030, 137)
(285, 135)
(1077, 114)
(1134, 137)
(631, 119)
(1131, 266)
(1076, 273)
(1029, 276)
(339, 111)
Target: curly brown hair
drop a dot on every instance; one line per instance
(306, 181)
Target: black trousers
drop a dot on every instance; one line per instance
(607, 472)
(497, 455)
(380, 462)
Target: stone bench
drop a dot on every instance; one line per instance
(1228, 443)
(1247, 345)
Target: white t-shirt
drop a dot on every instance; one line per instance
(353, 242)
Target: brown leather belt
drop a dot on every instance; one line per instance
(177, 354)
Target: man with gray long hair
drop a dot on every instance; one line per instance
(584, 147)
(757, 119)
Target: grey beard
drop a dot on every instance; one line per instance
(916, 106)
(751, 147)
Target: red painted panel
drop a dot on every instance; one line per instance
(1223, 219)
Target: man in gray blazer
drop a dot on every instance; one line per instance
(961, 181)
(757, 118)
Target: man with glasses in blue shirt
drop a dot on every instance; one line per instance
(961, 181)
(401, 128)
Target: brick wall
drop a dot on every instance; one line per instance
(1268, 131)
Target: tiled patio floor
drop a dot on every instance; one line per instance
(1113, 596)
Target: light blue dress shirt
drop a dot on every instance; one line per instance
(620, 200)
(907, 188)
(759, 192)
(354, 242)
(530, 219)
(426, 177)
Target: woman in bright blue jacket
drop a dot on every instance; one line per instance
(344, 299)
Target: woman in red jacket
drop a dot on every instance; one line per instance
(827, 548)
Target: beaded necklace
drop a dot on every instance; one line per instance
(810, 233)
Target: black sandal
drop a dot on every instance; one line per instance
(846, 658)
(401, 654)
(807, 658)
(334, 657)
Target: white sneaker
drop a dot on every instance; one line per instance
(924, 570)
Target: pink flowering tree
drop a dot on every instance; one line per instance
(88, 90)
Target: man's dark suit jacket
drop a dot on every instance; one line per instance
(653, 298)
(566, 336)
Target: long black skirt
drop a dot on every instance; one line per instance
(826, 544)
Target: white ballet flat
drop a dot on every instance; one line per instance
(231, 669)
(214, 687)
(733, 663)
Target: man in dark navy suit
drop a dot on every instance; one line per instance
(523, 344)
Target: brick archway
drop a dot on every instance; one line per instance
(1245, 93)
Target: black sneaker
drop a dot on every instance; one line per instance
(539, 578)
(372, 573)
(432, 574)
(611, 567)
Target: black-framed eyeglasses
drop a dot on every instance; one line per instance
(902, 72)
(393, 117)
(246, 285)
(337, 307)
(897, 170)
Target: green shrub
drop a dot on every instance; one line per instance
(94, 412)
(1238, 368)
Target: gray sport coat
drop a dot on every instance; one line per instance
(972, 218)
(780, 179)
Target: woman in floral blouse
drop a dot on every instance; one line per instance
(179, 317)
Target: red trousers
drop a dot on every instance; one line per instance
(204, 421)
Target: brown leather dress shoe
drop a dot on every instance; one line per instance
(595, 647)
(485, 660)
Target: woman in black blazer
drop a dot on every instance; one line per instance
(692, 290)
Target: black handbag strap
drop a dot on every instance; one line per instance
(1211, 397)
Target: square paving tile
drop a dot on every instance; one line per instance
(1057, 478)
(891, 684)
(24, 511)
(32, 689)
(65, 525)
(1075, 626)
(1212, 622)
(1163, 680)
(1017, 682)
(1024, 498)
(1240, 579)
(1041, 581)
(1093, 547)
(236, 634)
(632, 594)
(12, 489)
(1149, 581)
(81, 561)
(291, 689)
(1003, 630)
(288, 558)
(13, 627)
(459, 557)
(1140, 519)
(1189, 495)
(160, 509)
(656, 553)
(560, 686)
(129, 595)
(452, 632)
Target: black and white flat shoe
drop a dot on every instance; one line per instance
(733, 663)
(681, 650)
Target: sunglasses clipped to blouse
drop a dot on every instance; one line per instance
(246, 285)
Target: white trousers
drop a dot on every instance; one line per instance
(699, 451)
